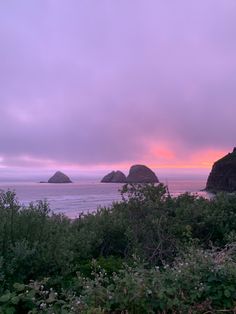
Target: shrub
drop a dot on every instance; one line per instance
(150, 253)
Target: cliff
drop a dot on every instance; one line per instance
(223, 174)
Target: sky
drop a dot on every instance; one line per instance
(93, 85)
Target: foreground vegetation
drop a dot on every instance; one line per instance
(150, 253)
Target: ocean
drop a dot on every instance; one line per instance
(87, 195)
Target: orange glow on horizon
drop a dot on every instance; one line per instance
(202, 160)
(157, 158)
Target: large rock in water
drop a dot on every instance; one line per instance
(223, 174)
(114, 177)
(141, 174)
(59, 177)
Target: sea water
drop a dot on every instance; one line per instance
(87, 195)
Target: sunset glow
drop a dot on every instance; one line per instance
(82, 91)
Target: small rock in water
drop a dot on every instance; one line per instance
(114, 177)
(141, 174)
(59, 177)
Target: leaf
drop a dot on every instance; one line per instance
(227, 293)
(19, 287)
(5, 298)
(15, 300)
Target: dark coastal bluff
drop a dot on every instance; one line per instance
(59, 177)
(114, 177)
(141, 174)
(223, 174)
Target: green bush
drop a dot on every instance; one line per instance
(149, 253)
(200, 281)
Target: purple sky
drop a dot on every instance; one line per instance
(102, 84)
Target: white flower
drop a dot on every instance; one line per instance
(43, 306)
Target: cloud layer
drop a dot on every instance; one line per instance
(107, 82)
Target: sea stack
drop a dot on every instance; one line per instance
(223, 174)
(141, 174)
(114, 177)
(59, 177)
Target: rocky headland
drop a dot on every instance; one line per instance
(223, 174)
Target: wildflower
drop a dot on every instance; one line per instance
(43, 306)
